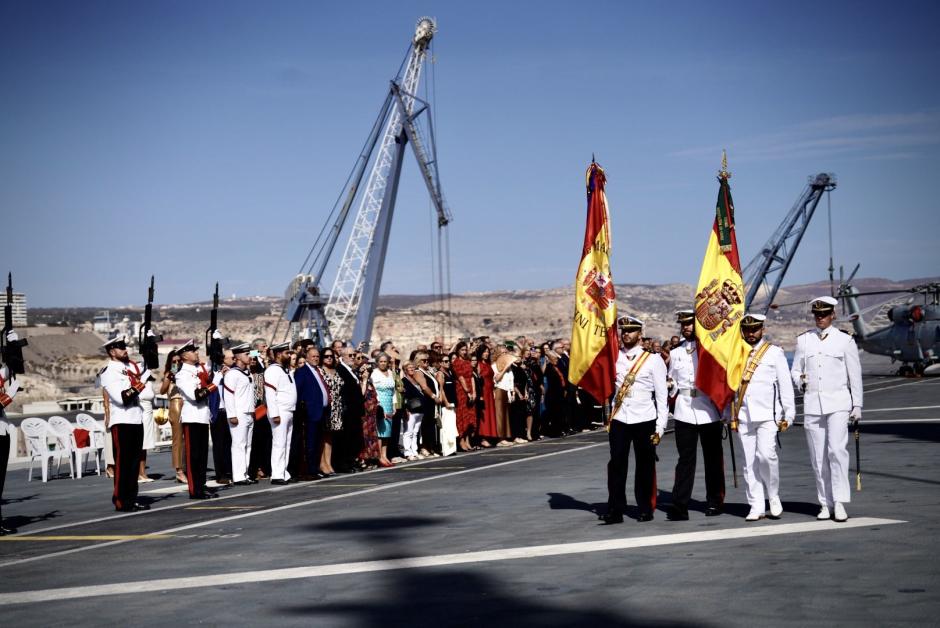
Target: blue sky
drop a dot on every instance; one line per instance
(207, 141)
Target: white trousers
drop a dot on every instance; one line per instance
(828, 438)
(761, 466)
(448, 431)
(280, 446)
(409, 437)
(241, 446)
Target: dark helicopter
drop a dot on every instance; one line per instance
(912, 338)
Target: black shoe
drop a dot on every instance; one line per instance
(611, 518)
(712, 511)
(306, 478)
(244, 483)
(224, 482)
(677, 514)
(5, 531)
(204, 496)
(279, 482)
(644, 516)
(252, 481)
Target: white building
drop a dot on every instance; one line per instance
(19, 309)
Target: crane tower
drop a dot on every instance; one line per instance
(350, 309)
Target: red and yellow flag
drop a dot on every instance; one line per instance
(594, 328)
(719, 305)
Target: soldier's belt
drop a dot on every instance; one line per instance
(688, 392)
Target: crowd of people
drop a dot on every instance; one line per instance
(299, 412)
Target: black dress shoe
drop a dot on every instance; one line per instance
(644, 516)
(677, 514)
(279, 482)
(5, 531)
(244, 483)
(712, 511)
(611, 518)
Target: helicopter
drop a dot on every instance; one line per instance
(912, 338)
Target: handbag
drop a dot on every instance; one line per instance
(413, 404)
(261, 411)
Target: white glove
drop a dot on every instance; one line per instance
(855, 414)
(12, 336)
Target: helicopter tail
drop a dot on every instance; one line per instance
(847, 294)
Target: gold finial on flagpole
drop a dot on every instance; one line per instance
(723, 173)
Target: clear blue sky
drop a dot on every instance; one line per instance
(206, 141)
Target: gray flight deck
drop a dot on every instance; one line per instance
(501, 537)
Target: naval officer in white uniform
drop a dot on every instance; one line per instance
(194, 381)
(827, 369)
(280, 395)
(764, 406)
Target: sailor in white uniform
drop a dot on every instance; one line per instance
(827, 369)
(280, 395)
(239, 396)
(639, 418)
(123, 382)
(194, 381)
(9, 386)
(696, 420)
(763, 407)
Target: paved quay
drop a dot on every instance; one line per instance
(507, 536)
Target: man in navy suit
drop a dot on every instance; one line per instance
(313, 394)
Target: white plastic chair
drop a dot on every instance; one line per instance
(66, 429)
(97, 436)
(37, 433)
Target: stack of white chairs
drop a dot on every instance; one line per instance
(44, 443)
(96, 429)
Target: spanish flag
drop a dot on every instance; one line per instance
(594, 329)
(719, 305)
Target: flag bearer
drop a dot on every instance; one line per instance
(696, 420)
(763, 407)
(638, 417)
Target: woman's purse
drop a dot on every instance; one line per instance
(413, 404)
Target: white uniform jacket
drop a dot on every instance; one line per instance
(692, 405)
(239, 393)
(769, 395)
(647, 398)
(187, 380)
(8, 388)
(217, 378)
(116, 378)
(827, 362)
(280, 393)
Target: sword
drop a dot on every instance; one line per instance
(734, 464)
(858, 457)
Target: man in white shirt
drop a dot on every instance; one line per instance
(123, 381)
(281, 398)
(194, 381)
(638, 417)
(696, 419)
(827, 369)
(239, 396)
(762, 407)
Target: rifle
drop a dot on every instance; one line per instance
(146, 339)
(11, 349)
(214, 343)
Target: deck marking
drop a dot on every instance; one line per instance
(867, 411)
(418, 562)
(365, 491)
(429, 468)
(87, 537)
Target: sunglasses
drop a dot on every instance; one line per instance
(822, 314)
(327, 355)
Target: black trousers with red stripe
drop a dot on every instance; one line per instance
(687, 439)
(127, 441)
(621, 437)
(4, 458)
(196, 437)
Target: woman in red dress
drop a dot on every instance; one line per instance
(466, 397)
(488, 429)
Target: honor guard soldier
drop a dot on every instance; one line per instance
(123, 380)
(696, 419)
(280, 394)
(8, 389)
(827, 370)
(638, 417)
(239, 396)
(194, 381)
(762, 407)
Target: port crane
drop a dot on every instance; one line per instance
(348, 310)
